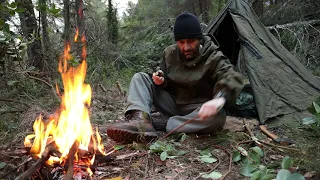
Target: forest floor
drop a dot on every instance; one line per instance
(136, 161)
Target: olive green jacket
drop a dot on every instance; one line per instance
(197, 81)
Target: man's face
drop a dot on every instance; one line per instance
(189, 48)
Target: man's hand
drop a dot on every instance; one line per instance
(158, 78)
(211, 108)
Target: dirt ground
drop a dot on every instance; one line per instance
(135, 161)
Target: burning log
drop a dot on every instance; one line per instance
(70, 161)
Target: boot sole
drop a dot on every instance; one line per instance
(127, 137)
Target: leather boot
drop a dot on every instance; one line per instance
(138, 129)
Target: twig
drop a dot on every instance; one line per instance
(230, 160)
(15, 101)
(194, 118)
(45, 82)
(252, 136)
(146, 168)
(281, 147)
(103, 88)
(15, 168)
(244, 142)
(120, 88)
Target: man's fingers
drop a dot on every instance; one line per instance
(158, 80)
(206, 112)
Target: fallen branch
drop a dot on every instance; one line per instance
(295, 24)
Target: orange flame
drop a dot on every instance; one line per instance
(76, 35)
(72, 123)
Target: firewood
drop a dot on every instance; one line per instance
(70, 161)
(39, 163)
(15, 168)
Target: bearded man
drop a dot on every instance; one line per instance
(195, 80)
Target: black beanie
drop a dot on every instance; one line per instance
(187, 26)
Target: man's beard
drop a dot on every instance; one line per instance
(191, 53)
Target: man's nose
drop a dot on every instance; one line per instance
(186, 47)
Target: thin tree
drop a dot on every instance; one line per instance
(66, 17)
(30, 31)
(113, 23)
(44, 25)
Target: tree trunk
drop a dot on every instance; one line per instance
(112, 23)
(257, 6)
(31, 32)
(206, 11)
(80, 26)
(44, 24)
(201, 10)
(272, 3)
(66, 17)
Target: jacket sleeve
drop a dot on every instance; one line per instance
(163, 67)
(226, 78)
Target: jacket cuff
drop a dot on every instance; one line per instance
(222, 93)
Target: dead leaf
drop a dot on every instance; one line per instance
(276, 157)
(159, 162)
(120, 157)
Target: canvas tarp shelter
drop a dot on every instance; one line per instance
(280, 83)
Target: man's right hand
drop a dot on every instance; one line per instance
(158, 78)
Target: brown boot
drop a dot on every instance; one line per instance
(139, 129)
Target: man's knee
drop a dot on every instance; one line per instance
(140, 75)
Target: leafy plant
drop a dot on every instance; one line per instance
(252, 167)
(206, 156)
(118, 147)
(285, 174)
(251, 163)
(166, 150)
(313, 123)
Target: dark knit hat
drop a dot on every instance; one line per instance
(187, 26)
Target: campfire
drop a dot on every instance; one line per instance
(67, 138)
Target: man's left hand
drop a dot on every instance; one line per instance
(211, 108)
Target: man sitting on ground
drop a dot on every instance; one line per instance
(195, 80)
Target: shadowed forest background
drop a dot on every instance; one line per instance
(33, 33)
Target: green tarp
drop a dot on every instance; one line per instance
(280, 83)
